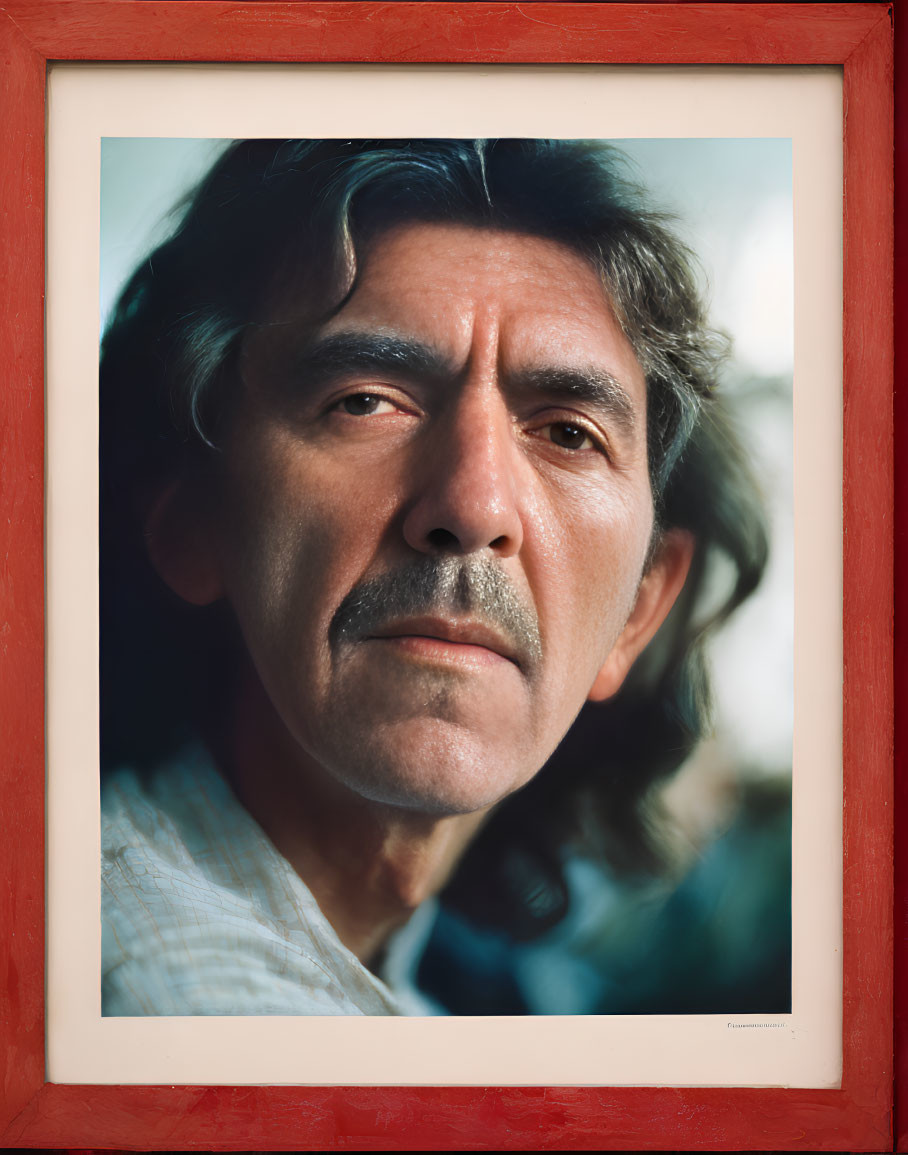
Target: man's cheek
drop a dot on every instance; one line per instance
(604, 592)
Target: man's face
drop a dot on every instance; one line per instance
(434, 513)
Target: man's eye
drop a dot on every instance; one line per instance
(569, 436)
(364, 404)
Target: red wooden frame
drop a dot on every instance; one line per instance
(901, 576)
(856, 1117)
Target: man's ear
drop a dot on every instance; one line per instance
(659, 588)
(179, 546)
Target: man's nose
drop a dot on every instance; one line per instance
(466, 483)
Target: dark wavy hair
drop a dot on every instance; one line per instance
(292, 215)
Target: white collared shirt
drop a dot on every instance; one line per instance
(202, 916)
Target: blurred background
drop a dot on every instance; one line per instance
(714, 936)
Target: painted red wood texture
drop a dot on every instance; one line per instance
(901, 579)
(858, 1116)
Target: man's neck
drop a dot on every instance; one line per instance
(368, 865)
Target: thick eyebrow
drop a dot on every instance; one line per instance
(595, 386)
(339, 354)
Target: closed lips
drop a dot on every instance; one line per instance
(455, 632)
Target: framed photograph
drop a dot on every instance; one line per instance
(720, 976)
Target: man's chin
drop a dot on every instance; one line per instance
(440, 778)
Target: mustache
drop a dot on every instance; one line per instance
(474, 586)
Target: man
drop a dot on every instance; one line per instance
(408, 450)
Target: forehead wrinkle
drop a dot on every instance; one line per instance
(596, 386)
